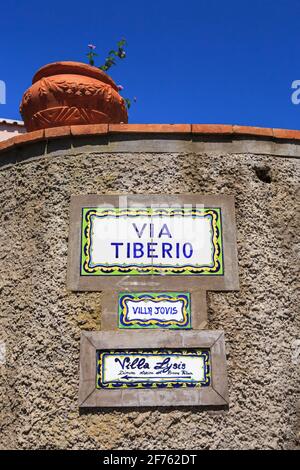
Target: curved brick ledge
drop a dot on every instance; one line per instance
(102, 129)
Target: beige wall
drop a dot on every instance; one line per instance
(41, 321)
(10, 130)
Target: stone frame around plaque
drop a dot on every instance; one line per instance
(109, 315)
(227, 281)
(213, 396)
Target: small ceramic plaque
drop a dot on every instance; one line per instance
(154, 310)
(153, 369)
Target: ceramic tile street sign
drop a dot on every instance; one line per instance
(154, 310)
(132, 241)
(119, 239)
(157, 369)
(180, 368)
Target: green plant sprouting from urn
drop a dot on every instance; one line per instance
(112, 57)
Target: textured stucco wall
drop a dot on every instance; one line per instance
(41, 321)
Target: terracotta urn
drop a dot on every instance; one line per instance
(71, 93)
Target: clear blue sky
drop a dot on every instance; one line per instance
(193, 61)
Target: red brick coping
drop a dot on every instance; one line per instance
(102, 129)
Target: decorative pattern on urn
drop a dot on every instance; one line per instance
(71, 93)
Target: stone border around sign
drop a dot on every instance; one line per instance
(229, 281)
(215, 395)
(109, 317)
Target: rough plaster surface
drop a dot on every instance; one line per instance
(41, 321)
